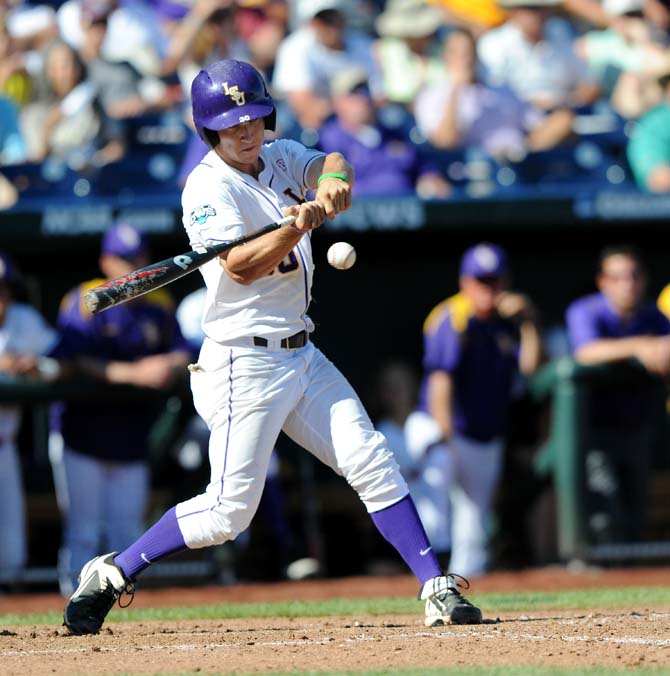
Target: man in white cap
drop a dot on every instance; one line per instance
(307, 59)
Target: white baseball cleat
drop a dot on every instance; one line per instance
(445, 604)
(101, 583)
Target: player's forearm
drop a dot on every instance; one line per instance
(440, 401)
(447, 133)
(251, 261)
(530, 352)
(610, 349)
(333, 163)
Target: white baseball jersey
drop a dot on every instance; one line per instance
(221, 203)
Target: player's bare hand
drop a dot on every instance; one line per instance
(335, 195)
(309, 215)
(515, 306)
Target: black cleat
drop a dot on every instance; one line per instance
(445, 604)
(101, 584)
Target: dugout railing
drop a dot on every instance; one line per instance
(566, 385)
(36, 397)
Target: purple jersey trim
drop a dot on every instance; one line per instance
(304, 267)
(267, 199)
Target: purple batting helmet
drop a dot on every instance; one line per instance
(227, 93)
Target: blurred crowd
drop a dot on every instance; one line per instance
(406, 88)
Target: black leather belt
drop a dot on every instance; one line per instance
(290, 343)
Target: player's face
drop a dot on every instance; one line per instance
(483, 294)
(240, 146)
(623, 282)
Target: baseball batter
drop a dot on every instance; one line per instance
(258, 372)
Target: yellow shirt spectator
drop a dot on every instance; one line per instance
(664, 301)
(483, 14)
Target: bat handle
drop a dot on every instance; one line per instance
(287, 220)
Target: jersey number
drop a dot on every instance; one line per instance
(289, 264)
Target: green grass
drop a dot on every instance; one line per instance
(637, 598)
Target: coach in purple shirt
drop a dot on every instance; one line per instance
(614, 324)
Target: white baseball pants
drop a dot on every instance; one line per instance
(247, 396)
(13, 548)
(103, 505)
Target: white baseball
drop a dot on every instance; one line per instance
(342, 255)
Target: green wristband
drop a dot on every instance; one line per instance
(342, 177)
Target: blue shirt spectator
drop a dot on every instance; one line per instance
(12, 145)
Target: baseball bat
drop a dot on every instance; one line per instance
(152, 277)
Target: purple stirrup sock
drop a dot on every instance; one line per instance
(400, 525)
(162, 539)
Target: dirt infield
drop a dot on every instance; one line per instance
(628, 637)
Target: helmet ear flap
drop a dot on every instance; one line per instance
(211, 137)
(271, 120)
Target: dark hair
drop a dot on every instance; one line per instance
(627, 250)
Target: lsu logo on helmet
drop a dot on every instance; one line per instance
(235, 94)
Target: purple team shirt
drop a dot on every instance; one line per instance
(385, 160)
(591, 318)
(113, 430)
(483, 363)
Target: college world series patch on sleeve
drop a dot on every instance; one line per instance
(199, 215)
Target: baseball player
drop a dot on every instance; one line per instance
(619, 322)
(258, 372)
(476, 343)
(23, 336)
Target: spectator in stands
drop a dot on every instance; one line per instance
(463, 111)
(24, 335)
(31, 27)
(407, 51)
(533, 54)
(68, 122)
(101, 470)
(475, 345)
(307, 59)
(614, 324)
(15, 81)
(627, 59)
(649, 146)
(12, 145)
(122, 90)
(217, 39)
(475, 17)
(134, 32)
(386, 160)
(419, 450)
(262, 25)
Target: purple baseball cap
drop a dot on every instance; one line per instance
(124, 241)
(484, 260)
